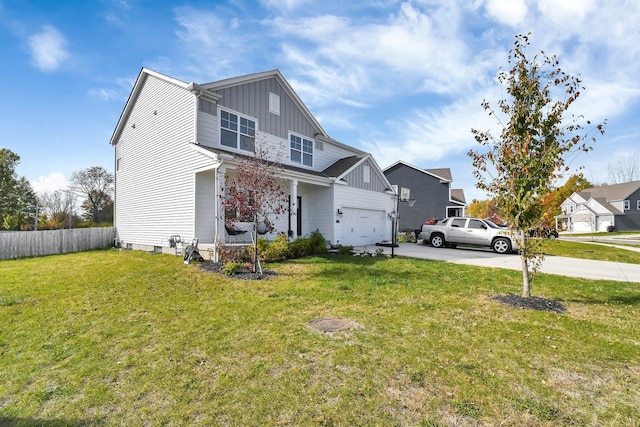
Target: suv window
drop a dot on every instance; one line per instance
(459, 222)
(474, 223)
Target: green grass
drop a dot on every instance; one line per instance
(127, 338)
(590, 251)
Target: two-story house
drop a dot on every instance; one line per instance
(175, 143)
(431, 190)
(597, 208)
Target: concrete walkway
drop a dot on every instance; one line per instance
(564, 266)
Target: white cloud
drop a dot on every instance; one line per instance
(216, 44)
(507, 12)
(50, 183)
(287, 5)
(48, 48)
(411, 50)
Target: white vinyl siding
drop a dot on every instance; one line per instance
(155, 191)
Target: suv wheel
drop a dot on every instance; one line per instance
(501, 245)
(437, 241)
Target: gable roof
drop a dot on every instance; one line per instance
(608, 206)
(335, 171)
(209, 90)
(212, 87)
(457, 194)
(341, 167)
(443, 174)
(142, 77)
(611, 193)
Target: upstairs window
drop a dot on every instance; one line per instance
(237, 132)
(627, 205)
(638, 205)
(301, 150)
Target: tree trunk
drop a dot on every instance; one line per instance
(526, 289)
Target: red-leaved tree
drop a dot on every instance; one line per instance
(256, 192)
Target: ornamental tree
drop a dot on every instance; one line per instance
(536, 142)
(255, 192)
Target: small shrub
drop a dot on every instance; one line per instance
(345, 250)
(305, 246)
(300, 247)
(232, 267)
(317, 243)
(262, 244)
(277, 250)
(407, 237)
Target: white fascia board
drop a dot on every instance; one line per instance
(216, 157)
(328, 140)
(201, 92)
(308, 179)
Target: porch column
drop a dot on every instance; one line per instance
(220, 236)
(294, 209)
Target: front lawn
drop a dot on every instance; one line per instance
(127, 338)
(590, 251)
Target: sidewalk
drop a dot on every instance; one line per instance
(563, 266)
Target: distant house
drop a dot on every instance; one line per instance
(431, 189)
(597, 208)
(176, 141)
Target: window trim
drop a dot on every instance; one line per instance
(627, 205)
(237, 131)
(638, 205)
(301, 151)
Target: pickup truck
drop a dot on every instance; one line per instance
(468, 231)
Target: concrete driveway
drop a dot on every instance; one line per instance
(573, 267)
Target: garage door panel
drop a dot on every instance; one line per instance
(363, 226)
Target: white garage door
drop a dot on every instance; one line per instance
(362, 227)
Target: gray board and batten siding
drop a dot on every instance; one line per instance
(431, 196)
(252, 99)
(357, 178)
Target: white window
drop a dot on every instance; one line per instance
(638, 205)
(627, 205)
(274, 103)
(119, 156)
(301, 150)
(237, 132)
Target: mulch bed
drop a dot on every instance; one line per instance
(242, 274)
(530, 303)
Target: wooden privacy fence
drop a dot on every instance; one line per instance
(18, 244)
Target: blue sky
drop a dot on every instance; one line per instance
(402, 80)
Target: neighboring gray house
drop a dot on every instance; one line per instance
(595, 209)
(431, 189)
(175, 142)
